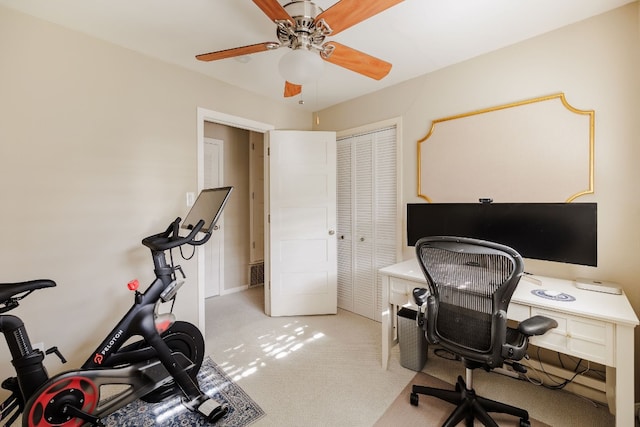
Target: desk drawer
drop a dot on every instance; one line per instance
(578, 336)
(400, 291)
(518, 312)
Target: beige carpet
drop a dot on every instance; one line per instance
(319, 371)
(430, 410)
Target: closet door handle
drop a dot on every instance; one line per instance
(362, 239)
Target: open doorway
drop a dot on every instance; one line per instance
(301, 186)
(234, 170)
(238, 135)
(242, 152)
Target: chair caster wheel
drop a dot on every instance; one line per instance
(524, 423)
(413, 399)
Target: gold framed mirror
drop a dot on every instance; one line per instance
(536, 150)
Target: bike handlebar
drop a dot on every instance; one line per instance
(171, 239)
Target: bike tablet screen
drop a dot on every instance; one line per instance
(208, 207)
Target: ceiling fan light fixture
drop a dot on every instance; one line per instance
(301, 66)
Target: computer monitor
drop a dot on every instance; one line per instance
(560, 232)
(208, 207)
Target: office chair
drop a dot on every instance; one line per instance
(470, 283)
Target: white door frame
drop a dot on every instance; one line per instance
(205, 115)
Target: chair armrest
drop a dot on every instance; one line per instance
(536, 325)
(420, 296)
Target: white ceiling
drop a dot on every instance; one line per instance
(416, 36)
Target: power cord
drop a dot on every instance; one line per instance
(561, 385)
(448, 355)
(190, 256)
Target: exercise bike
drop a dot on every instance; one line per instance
(165, 362)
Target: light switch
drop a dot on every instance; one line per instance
(191, 198)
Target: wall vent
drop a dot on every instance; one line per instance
(256, 274)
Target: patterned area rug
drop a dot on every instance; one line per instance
(169, 413)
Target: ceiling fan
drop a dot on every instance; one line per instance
(303, 26)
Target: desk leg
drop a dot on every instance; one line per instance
(621, 379)
(387, 322)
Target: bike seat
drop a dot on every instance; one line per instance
(8, 290)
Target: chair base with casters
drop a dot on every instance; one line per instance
(469, 406)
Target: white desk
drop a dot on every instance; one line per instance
(596, 326)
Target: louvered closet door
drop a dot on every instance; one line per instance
(343, 218)
(363, 275)
(385, 207)
(367, 218)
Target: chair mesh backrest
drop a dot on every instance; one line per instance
(470, 282)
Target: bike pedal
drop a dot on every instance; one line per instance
(212, 410)
(78, 413)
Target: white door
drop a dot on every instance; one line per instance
(214, 253)
(301, 256)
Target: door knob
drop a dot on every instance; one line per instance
(332, 232)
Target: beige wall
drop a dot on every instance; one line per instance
(97, 150)
(596, 63)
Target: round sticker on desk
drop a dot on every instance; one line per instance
(553, 295)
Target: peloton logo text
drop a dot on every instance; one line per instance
(99, 357)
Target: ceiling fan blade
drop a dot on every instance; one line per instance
(291, 89)
(237, 51)
(274, 10)
(357, 61)
(347, 13)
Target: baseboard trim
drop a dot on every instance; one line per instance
(233, 290)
